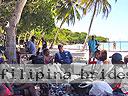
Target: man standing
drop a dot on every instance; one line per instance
(93, 47)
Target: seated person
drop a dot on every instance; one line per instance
(116, 83)
(47, 58)
(97, 56)
(126, 59)
(31, 47)
(63, 57)
(44, 59)
(103, 57)
(24, 89)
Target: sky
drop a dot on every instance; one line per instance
(115, 27)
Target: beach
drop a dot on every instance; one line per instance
(76, 51)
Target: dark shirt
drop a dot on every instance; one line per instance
(64, 57)
(44, 44)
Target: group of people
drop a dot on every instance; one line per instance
(62, 57)
(101, 56)
(116, 61)
(42, 56)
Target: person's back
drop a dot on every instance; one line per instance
(31, 46)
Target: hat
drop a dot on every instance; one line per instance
(116, 57)
(60, 45)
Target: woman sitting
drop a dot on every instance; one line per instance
(103, 57)
(47, 57)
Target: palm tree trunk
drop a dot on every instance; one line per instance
(51, 46)
(63, 21)
(11, 31)
(56, 35)
(86, 39)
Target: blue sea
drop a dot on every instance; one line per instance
(109, 46)
(119, 46)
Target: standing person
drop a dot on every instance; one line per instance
(63, 57)
(93, 47)
(31, 46)
(44, 43)
(114, 45)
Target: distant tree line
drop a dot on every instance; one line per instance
(65, 36)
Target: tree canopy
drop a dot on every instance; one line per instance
(39, 16)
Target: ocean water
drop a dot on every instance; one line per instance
(109, 46)
(119, 46)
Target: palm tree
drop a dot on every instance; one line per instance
(98, 6)
(66, 8)
(65, 11)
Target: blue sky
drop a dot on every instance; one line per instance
(115, 27)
